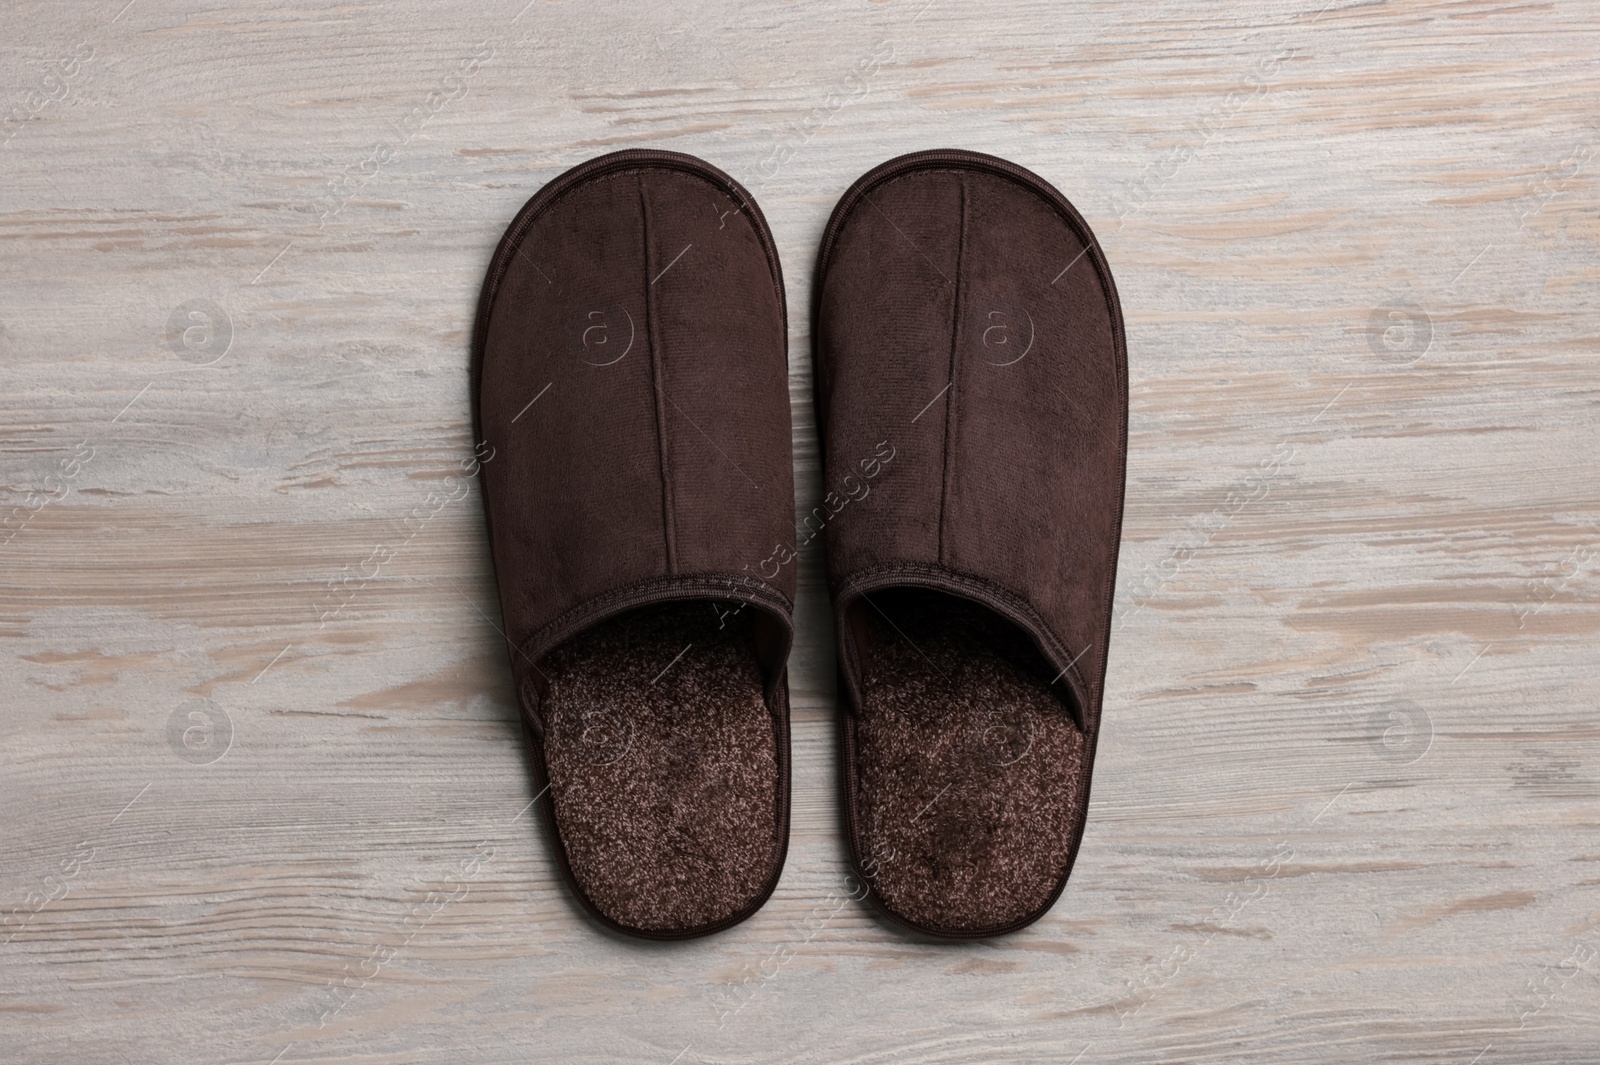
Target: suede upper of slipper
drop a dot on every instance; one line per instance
(631, 393)
(967, 326)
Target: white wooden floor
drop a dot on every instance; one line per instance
(260, 768)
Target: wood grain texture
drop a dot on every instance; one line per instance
(1346, 803)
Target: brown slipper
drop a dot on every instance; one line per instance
(970, 362)
(630, 380)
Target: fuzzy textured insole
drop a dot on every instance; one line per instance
(663, 764)
(970, 768)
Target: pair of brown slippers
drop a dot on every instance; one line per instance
(631, 382)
